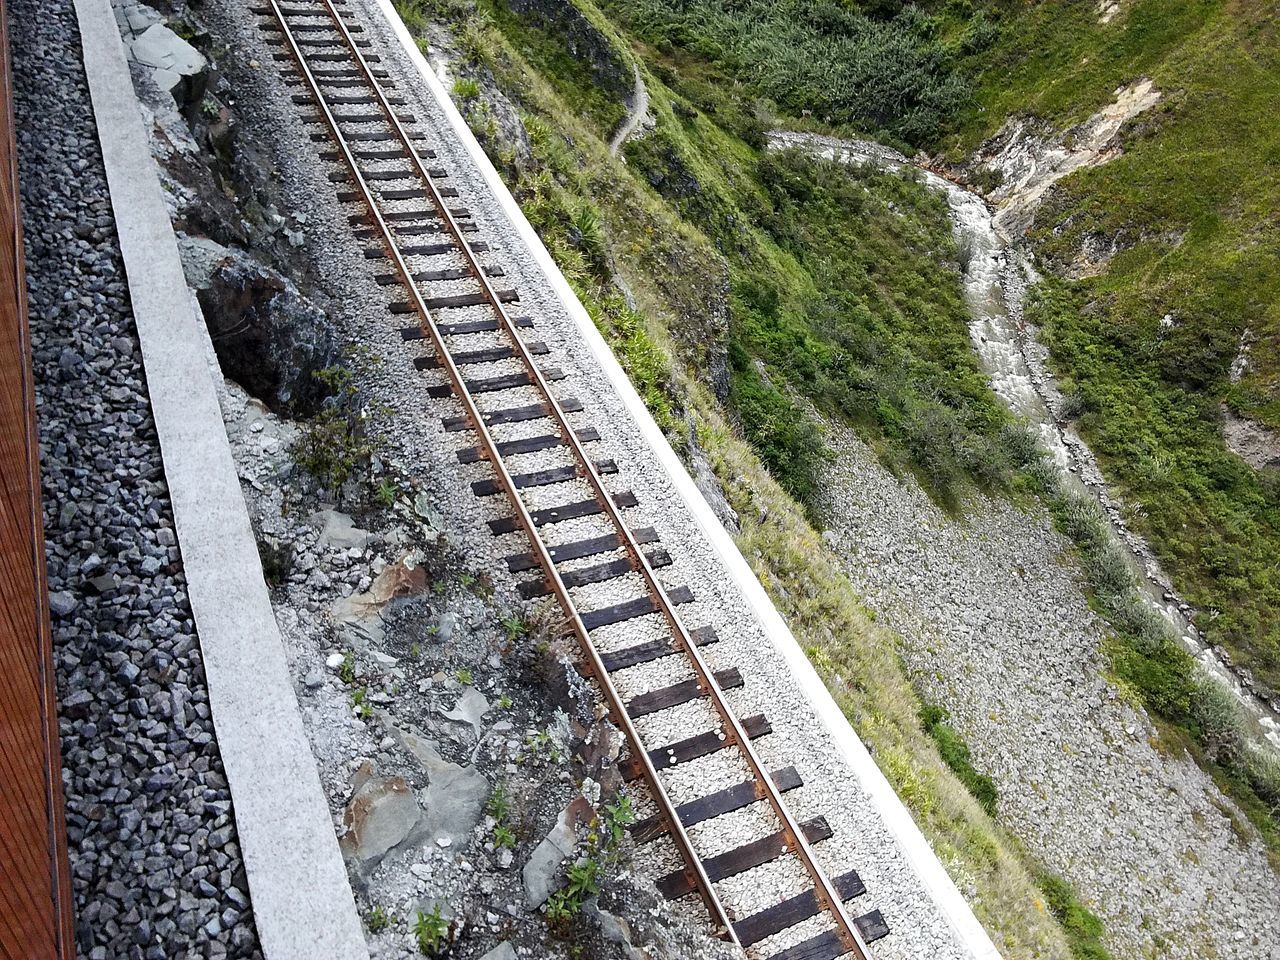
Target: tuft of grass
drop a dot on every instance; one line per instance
(347, 669)
(466, 88)
(955, 754)
(430, 930)
(378, 919)
(1084, 930)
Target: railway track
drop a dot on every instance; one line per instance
(403, 206)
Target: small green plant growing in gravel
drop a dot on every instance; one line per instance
(463, 676)
(360, 703)
(429, 929)
(499, 805)
(604, 838)
(515, 627)
(332, 445)
(386, 493)
(379, 919)
(415, 651)
(504, 702)
(504, 837)
(1083, 928)
(347, 669)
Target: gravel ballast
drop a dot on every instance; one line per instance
(156, 871)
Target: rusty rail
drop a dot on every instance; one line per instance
(764, 788)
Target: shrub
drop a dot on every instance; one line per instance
(1222, 728)
(333, 446)
(1262, 768)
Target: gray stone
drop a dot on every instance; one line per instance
(62, 603)
(160, 48)
(455, 795)
(381, 814)
(503, 951)
(470, 709)
(542, 873)
(337, 530)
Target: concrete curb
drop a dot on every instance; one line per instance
(915, 848)
(302, 901)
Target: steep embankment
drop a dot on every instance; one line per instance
(1160, 310)
(996, 628)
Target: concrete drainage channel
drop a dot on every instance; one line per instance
(461, 759)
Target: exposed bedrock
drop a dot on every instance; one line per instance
(269, 338)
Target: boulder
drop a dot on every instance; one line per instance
(269, 338)
(338, 530)
(382, 813)
(542, 873)
(455, 795)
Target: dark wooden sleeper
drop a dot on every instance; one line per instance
(691, 748)
(508, 448)
(534, 411)
(715, 805)
(794, 910)
(827, 946)
(569, 511)
(664, 698)
(741, 859)
(630, 609)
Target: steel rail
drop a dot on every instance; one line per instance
(764, 788)
(693, 864)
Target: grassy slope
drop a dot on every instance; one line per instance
(570, 184)
(1193, 200)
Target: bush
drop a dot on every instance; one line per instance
(333, 446)
(1222, 728)
(786, 439)
(1262, 769)
(890, 75)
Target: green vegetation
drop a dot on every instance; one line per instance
(1149, 663)
(1084, 929)
(1147, 346)
(868, 64)
(955, 754)
(347, 669)
(378, 919)
(599, 853)
(333, 445)
(430, 932)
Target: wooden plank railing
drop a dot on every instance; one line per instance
(35, 895)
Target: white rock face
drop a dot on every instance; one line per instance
(1033, 158)
(152, 44)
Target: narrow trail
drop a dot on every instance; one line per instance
(638, 110)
